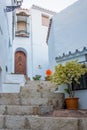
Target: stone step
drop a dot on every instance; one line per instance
(41, 93)
(70, 113)
(25, 110)
(9, 99)
(12, 83)
(15, 78)
(44, 98)
(45, 85)
(10, 88)
(42, 123)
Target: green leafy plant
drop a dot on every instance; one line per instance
(66, 74)
(37, 77)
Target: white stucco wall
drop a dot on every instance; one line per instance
(10, 28)
(39, 45)
(4, 43)
(68, 31)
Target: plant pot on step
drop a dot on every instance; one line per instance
(72, 103)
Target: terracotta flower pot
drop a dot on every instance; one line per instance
(71, 103)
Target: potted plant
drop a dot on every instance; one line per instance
(37, 77)
(48, 75)
(67, 74)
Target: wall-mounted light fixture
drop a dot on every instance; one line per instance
(13, 7)
(39, 67)
(19, 2)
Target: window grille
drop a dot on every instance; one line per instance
(82, 85)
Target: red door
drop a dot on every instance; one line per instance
(20, 62)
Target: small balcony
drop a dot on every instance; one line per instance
(22, 33)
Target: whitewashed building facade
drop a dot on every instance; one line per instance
(67, 39)
(30, 50)
(6, 38)
(24, 50)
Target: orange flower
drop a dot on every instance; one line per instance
(48, 72)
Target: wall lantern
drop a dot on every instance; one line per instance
(39, 67)
(19, 2)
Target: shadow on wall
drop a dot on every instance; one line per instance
(0, 78)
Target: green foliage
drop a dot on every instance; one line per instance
(66, 74)
(37, 77)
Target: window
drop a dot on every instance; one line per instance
(21, 25)
(45, 20)
(82, 85)
(85, 57)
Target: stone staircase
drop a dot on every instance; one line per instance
(32, 108)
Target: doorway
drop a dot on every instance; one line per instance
(20, 62)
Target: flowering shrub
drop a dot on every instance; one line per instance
(66, 74)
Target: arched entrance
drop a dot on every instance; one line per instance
(20, 62)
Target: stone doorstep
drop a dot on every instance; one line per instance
(42, 123)
(25, 110)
